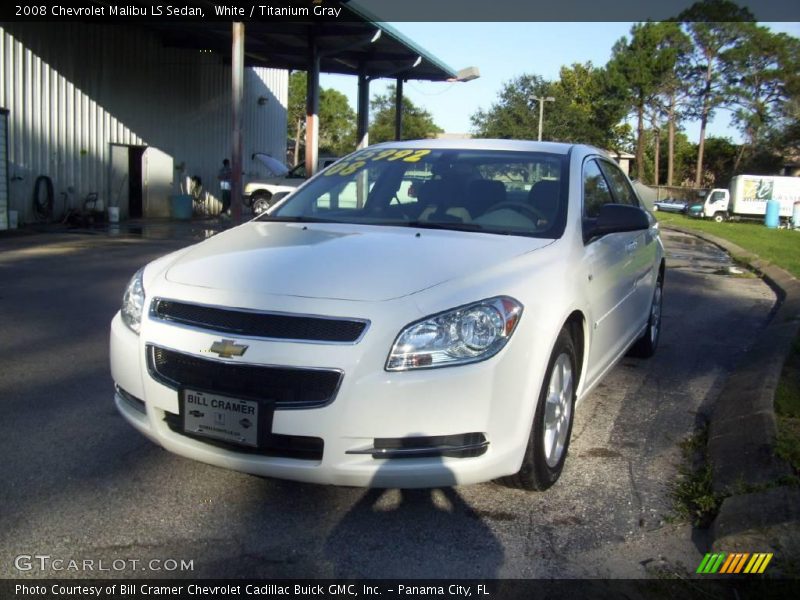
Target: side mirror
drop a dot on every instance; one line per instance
(615, 218)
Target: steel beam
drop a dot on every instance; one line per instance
(312, 107)
(398, 109)
(237, 93)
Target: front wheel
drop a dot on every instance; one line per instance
(719, 217)
(261, 202)
(552, 423)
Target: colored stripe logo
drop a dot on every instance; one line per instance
(734, 563)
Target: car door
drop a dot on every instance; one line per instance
(643, 247)
(609, 266)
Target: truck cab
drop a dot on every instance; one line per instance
(716, 204)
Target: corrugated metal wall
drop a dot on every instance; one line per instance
(73, 89)
(4, 216)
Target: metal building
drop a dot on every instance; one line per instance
(111, 110)
(130, 113)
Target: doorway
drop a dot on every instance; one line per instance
(135, 186)
(125, 181)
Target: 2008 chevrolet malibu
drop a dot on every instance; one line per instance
(419, 314)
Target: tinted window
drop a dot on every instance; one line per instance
(620, 186)
(596, 192)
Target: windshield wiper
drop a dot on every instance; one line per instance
(296, 219)
(455, 226)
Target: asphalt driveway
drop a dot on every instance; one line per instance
(79, 483)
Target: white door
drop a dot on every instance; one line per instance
(157, 174)
(609, 266)
(642, 247)
(119, 184)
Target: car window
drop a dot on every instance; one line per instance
(491, 191)
(620, 186)
(596, 192)
(717, 196)
(297, 172)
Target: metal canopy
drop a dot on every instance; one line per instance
(343, 47)
(358, 46)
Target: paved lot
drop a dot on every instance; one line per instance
(78, 483)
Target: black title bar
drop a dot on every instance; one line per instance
(379, 10)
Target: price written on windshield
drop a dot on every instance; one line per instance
(361, 159)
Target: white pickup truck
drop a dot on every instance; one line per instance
(262, 192)
(748, 197)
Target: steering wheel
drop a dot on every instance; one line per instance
(524, 209)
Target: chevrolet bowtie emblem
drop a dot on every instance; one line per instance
(228, 348)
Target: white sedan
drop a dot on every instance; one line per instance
(420, 314)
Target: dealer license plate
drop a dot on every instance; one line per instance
(220, 417)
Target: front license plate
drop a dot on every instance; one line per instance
(220, 417)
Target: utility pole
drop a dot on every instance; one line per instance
(541, 100)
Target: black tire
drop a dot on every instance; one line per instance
(43, 199)
(540, 471)
(263, 199)
(263, 203)
(719, 217)
(646, 346)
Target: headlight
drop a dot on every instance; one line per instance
(463, 335)
(133, 302)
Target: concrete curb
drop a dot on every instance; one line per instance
(742, 429)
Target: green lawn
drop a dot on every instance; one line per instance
(781, 247)
(787, 409)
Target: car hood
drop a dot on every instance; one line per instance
(341, 261)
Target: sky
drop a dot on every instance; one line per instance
(503, 51)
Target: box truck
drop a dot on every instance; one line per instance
(748, 197)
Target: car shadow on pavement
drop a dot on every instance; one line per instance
(417, 533)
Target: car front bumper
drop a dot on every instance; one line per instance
(427, 428)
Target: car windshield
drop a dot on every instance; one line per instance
(486, 191)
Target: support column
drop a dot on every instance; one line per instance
(312, 108)
(237, 93)
(398, 109)
(363, 109)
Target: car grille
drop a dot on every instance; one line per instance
(260, 324)
(286, 387)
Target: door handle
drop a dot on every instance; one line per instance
(631, 246)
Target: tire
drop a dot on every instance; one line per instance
(261, 202)
(548, 441)
(646, 346)
(719, 217)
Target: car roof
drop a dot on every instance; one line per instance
(488, 144)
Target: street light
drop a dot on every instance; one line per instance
(541, 100)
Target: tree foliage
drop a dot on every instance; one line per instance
(336, 119)
(417, 122)
(645, 64)
(714, 26)
(337, 134)
(587, 107)
(760, 81)
(513, 115)
(712, 56)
